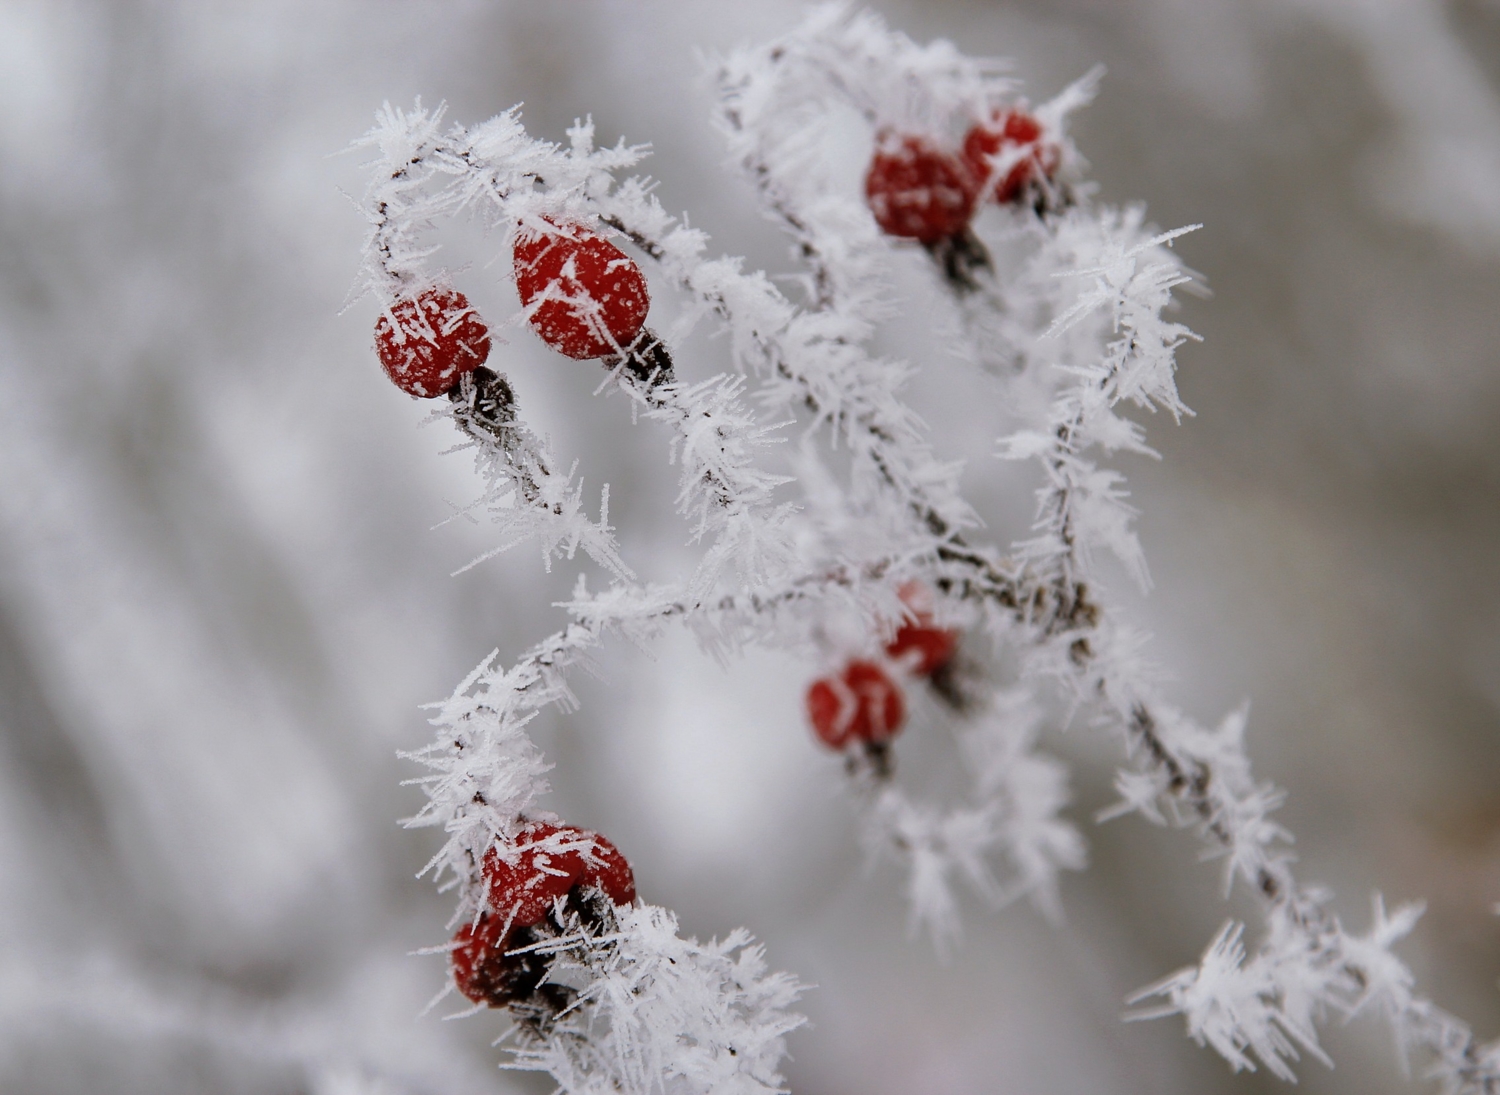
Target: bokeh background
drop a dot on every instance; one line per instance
(223, 597)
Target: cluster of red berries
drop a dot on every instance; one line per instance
(863, 704)
(918, 190)
(585, 296)
(557, 867)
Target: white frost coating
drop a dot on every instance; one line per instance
(424, 172)
(772, 98)
(487, 771)
(1224, 1002)
(1012, 814)
(775, 98)
(655, 1012)
(1065, 307)
(661, 1013)
(1103, 332)
(1082, 507)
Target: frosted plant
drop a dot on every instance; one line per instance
(875, 568)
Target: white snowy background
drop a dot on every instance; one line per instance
(222, 598)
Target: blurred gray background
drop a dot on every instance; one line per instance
(222, 598)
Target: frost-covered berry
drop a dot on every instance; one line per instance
(918, 191)
(861, 704)
(919, 646)
(480, 970)
(612, 873)
(922, 650)
(1008, 152)
(437, 338)
(549, 862)
(553, 859)
(586, 297)
(831, 711)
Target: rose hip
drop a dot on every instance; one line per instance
(919, 646)
(918, 191)
(587, 297)
(1010, 137)
(861, 704)
(437, 338)
(550, 861)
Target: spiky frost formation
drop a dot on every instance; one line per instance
(424, 172)
(1083, 305)
(1073, 320)
(653, 1012)
(660, 1013)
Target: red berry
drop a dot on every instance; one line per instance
(862, 703)
(830, 709)
(587, 298)
(551, 861)
(920, 647)
(1016, 138)
(924, 650)
(613, 875)
(478, 961)
(438, 337)
(882, 708)
(918, 191)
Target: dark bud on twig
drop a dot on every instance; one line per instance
(873, 758)
(484, 403)
(962, 256)
(646, 359)
(952, 683)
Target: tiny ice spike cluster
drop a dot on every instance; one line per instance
(867, 564)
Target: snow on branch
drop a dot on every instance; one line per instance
(662, 1013)
(878, 574)
(1109, 344)
(1082, 507)
(632, 1006)
(518, 185)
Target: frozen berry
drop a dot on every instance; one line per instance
(551, 861)
(478, 961)
(1011, 138)
(437, 338)
(918, 191)
(830, 709)
(586, 297)
(923, 650)
(612, 874)
(882, 708)
(919, 646)
(861, 704)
